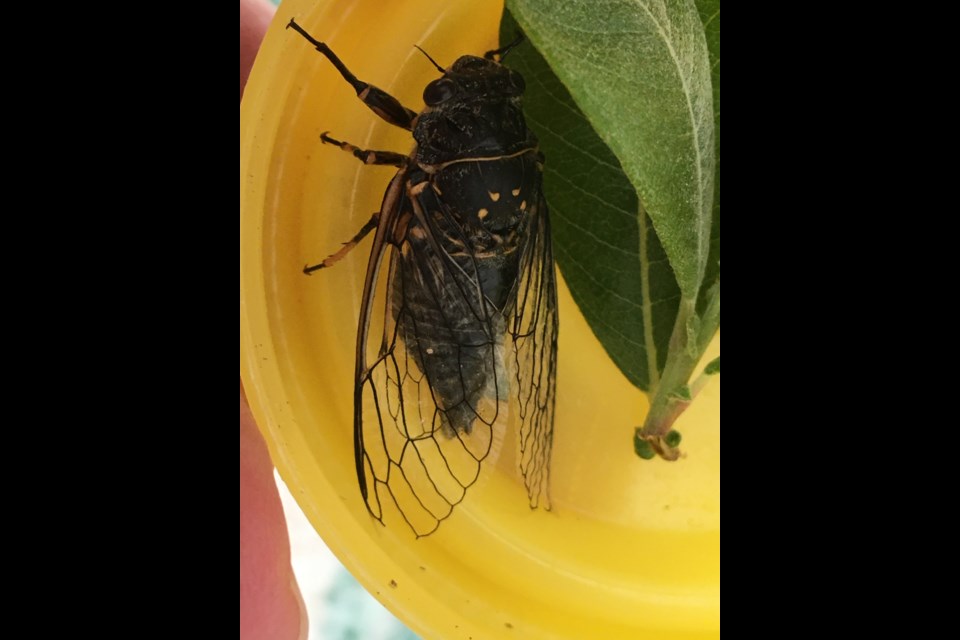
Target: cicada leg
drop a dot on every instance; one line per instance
(368, 156)
(329, 261)
(378, 100)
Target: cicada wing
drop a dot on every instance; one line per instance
(534, 351)
(365, 359)
(428, 363)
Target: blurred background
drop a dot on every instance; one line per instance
(338, 607)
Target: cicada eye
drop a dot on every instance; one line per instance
(439, 91)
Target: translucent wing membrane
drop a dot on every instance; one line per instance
(534, 349)
(441, 367)
(431, 394)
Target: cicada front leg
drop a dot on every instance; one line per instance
(378, 100)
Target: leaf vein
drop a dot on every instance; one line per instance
(693, 125)
(580, 150)
(590, 277)
(710, 19)
(652, 373)
(570, 221)
(600, 321)
(546, 89)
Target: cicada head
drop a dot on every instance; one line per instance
(472, 111)
(473, 80)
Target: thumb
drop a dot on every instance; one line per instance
(271, 606)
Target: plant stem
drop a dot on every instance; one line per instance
(671, 397)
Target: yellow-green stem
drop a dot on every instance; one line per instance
(667, 399)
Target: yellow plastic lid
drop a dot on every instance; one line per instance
(631, 548)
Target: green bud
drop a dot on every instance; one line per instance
(712, 367)
(673, 438)
(642, 447)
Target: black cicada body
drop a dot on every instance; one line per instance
(462, 338)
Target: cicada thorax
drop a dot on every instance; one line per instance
(459, 275)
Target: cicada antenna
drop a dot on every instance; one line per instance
(439, 68)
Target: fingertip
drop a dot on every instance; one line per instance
(255, 16)
(271, 605)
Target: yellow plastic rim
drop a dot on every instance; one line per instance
(631, 548)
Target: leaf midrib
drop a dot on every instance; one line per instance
(696, 137)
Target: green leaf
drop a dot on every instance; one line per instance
(710, 15)
(606, 247)
(640, 71)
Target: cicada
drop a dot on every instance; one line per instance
(461, 339)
